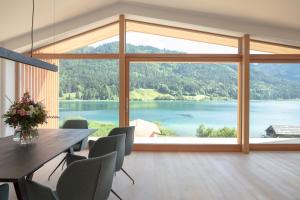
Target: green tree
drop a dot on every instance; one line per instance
(203, 131)
(61, 94)
(163, 88)
(77, 95)
(94, 79)
(69, 97)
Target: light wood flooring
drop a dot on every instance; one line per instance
(203, 176)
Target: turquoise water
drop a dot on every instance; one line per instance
(184, 117)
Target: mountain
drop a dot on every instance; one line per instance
(98, 79)
(113, 47)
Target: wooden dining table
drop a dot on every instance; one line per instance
(19, 162)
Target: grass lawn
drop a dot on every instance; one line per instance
(146, 95)
(102, 128)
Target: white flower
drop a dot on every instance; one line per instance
(30, 113)
(31, 107)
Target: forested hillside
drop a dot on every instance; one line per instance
(95, 79)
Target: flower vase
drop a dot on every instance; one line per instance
(26, 136)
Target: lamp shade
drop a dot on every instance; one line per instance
(17, 57)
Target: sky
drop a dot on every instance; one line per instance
(169, 43)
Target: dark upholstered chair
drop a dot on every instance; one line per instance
(103, 146)
(89, 179)
(73, 124)
(77, 124)
(4, 191)
(129, 141)
(129, 131)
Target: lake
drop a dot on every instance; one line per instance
(184, 117)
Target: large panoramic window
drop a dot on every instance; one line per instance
(89, 89)
(179, 90)
(184, 100)
(275, 105)
(150, 38)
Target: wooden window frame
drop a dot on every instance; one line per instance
(243, 58)
(273, 48)
(273, 58)
(190, 58)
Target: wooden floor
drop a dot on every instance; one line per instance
(189, 176)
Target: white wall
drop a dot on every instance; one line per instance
(7, 90)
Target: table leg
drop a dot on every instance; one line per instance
(71, 150)
(59, 164)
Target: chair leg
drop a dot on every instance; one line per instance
(115, 194)
(57, 167)
(123, 170)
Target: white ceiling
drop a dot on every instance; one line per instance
(15, 15)
(274, 12)
(281, 15)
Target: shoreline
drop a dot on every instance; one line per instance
(173, 100)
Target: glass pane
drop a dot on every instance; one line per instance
(193, 102)
(148, 38)
(89, 89)
(275, 105)
(101, 40)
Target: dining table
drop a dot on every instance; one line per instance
(20, 161)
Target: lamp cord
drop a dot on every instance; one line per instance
(32, 23)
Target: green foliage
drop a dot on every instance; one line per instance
(89, 80)
(164, 131)
(102, 128)
(99, 80)
(203, 131)
(148, 94)
(163, 88)
(185, 79)
(275, 81)
(165, 97)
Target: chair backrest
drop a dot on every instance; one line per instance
(105, 145)
(77, 124)
(129, 131)
(89, 179)
(4, 192)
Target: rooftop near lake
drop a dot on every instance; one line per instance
(283, 131)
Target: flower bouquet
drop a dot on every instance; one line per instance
(24, 116)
